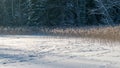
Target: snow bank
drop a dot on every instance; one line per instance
(55, 52)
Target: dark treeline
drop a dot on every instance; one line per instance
(59, 13)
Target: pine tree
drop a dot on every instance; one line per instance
(59, 13)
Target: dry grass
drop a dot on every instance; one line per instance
(109, 33)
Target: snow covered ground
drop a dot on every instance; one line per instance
(24, 51)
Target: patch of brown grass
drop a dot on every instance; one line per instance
(108, 32)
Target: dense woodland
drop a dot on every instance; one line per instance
(59, 13)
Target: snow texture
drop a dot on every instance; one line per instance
(54, 52)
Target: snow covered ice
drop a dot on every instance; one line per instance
(30, 51)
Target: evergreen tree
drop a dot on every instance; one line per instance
(59, 13)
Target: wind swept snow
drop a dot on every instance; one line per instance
(55, 52)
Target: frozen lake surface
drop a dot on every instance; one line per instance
(30, 51)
